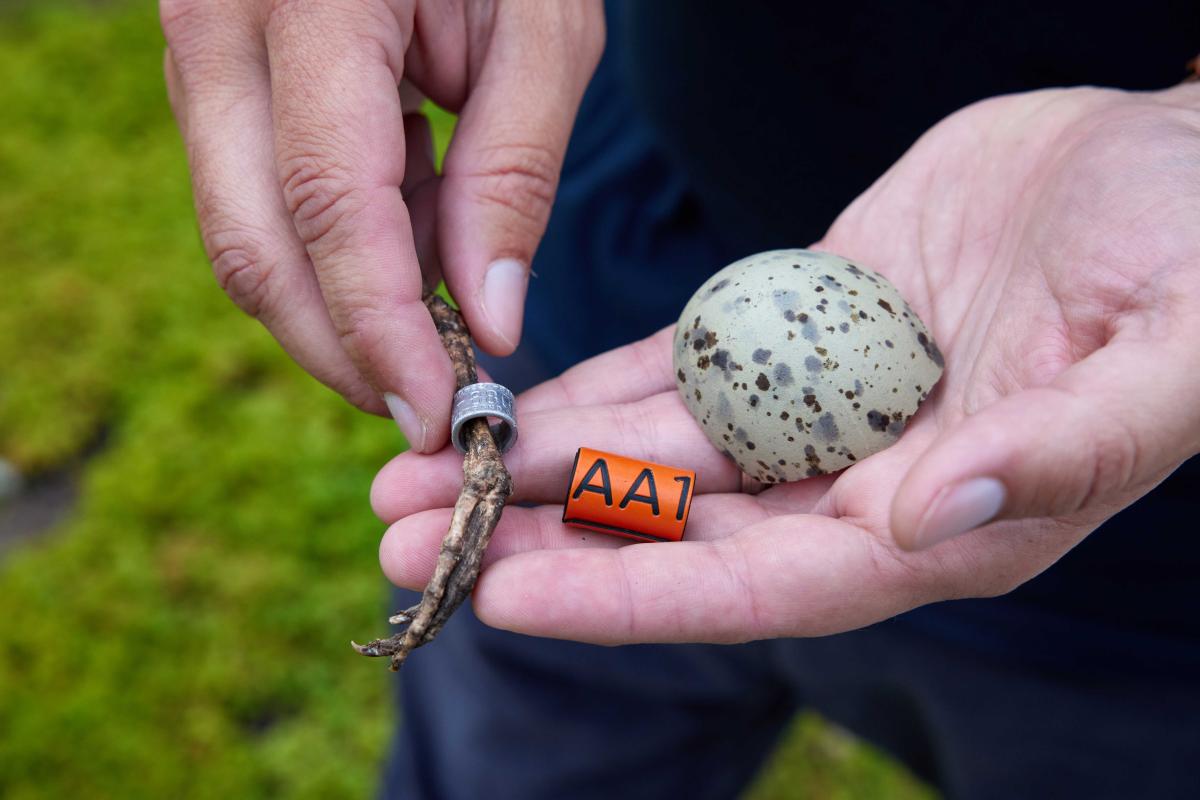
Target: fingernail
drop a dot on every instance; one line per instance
(407, 420)
(504, 298)
(959, 508)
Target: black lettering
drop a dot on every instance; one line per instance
(652, 498)
(686, 480)
(605, 487)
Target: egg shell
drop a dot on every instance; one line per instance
(798, 363)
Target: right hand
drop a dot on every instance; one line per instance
(317, 195)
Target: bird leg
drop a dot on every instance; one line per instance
(486, 487)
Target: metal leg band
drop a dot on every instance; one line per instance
(489, 400)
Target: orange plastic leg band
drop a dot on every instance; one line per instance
(626, 497)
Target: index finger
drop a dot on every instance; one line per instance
(624, 375)
(339, 142)
(657, 429)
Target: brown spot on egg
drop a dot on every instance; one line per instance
(877, 420)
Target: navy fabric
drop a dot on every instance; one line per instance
(489, 714)
(707, 135)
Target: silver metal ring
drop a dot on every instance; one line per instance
(484, 400)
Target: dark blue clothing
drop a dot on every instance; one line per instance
(712, 131)
(489, 714)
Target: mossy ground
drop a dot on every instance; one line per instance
(184, 632)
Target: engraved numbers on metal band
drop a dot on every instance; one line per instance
(484, 400)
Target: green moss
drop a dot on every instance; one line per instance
(184, 633)
(818, 760)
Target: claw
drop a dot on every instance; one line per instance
(371, 649)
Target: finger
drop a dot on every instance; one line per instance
(1102, 434)
(174, 83)
(420, 192)
(632, 372)
(502, 168)
(340, 156)
(409, 549)
(657, 429)
(787, 576)
(221, 96)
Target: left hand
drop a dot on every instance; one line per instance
(1051, 241)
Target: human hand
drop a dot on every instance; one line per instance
(1050, 242)
(316, 191)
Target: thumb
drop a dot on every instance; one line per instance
(502, 167)
(1099, 436)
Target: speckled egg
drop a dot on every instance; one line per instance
(798, 363)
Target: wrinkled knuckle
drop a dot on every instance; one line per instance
(1115, 457)
(362, 332)
(919, 577)
(188, 27)
(242, 272)
(521, 178)
(319, 196)
(180, 18)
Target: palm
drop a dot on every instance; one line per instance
(1030, 233)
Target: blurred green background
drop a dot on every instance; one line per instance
(190, 547)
